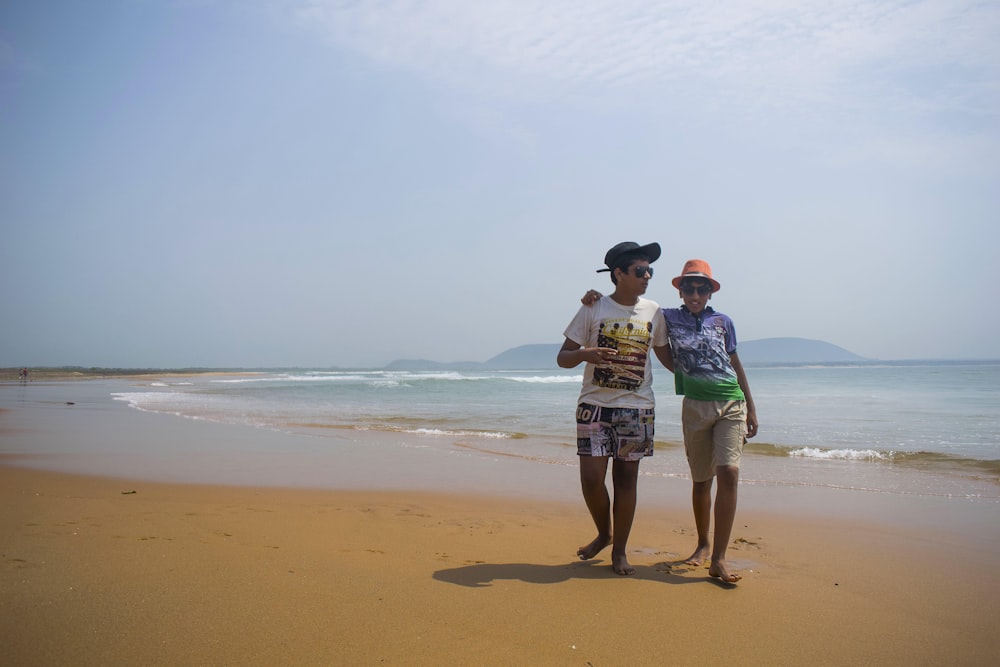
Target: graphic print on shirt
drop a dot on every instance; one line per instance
(702, 354)
(627, 368)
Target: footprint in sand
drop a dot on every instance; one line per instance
(745, 544)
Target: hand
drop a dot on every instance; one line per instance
(598, 355)
(751, 424)
(591, 297)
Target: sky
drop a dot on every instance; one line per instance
(328, 183)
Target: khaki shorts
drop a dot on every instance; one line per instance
(714, 433)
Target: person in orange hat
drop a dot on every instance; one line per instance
(718, 412)
(614, 413)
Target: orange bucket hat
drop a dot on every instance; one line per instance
(697, 268)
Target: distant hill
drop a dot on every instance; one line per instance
(525, 357)
(765, 351)
(794, 351)
(539, 355)
(528, 357)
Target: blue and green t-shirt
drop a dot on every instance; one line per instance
(701, 345)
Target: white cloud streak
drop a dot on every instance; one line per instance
(813, 49)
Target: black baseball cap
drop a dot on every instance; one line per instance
(615, 256)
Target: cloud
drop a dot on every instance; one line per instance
(812, 50)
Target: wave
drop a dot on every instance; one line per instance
(147, 400)
(920, 459)
(398, 378)
(340, 377)
(548, 379)
(841, 454)
(415, 430)
(478, 434)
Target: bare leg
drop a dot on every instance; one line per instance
(625, 475)
(701, 502)
(593, 470)
(725, 514)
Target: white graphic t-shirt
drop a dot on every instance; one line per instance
(626, 379)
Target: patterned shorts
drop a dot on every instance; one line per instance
(622, 433)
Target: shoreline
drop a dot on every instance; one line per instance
(306, 454)
(77, 428)
(9, 376)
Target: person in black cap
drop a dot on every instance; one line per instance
(615, 410)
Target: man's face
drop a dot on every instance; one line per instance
(636, 277)
(696, 292)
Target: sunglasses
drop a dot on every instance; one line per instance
(702, 290)
(641, 271)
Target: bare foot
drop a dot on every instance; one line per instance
(590, 550)
(719, 571)
(621, 566)
(699, 556)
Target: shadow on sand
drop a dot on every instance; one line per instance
(481, 575)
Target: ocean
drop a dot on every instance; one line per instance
(922, 429)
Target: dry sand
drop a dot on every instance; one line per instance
(94, 574)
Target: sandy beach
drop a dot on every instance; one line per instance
(100, 570)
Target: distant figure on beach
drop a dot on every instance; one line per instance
(718, 411)
(615, 410)
(22, 375)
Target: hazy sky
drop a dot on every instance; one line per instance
(336, 183)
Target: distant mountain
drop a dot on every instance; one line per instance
(528, 357)
(539, 355)
(794, 351)
(765, 351)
